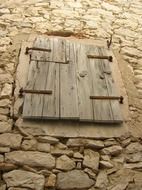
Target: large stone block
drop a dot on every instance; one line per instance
(113, 150)
(65, 163)
(134, 148)
(96, 144)
(91, 159)
(10, 140)
(31, 158)
(102, 180)
(74, 179)
(20, 178)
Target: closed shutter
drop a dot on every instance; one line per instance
(70, 80)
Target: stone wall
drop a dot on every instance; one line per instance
(32, 161)
(44, 162)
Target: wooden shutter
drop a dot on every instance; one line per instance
(82, 87)
(43, 76)
(102, 85)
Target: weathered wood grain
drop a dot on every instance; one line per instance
(22, 74)
(71, 84)
(83, 83)
(102, 108)
(33, 104)
(51, 103)
(59, 48)
(68, 86)
(111, 87)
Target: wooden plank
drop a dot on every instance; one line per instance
(51, 103)
(40, 55)
(102, 108)
(83, 83)
(33, 104)
(43, 76)
(22, 74)
(112, 91)
(68, 86)
(59, 54)
(59, 57)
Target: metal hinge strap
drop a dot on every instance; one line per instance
(35, 91)
(120, 98)
(109, 58)
(37, 49)
(51, 61)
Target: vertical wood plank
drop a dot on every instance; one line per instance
(111, 87)
(102, 108)
(21, 75)
(33, 105)
(51, 103)
(68, 86)
(83, 83)
(59, 57)
(40, 42)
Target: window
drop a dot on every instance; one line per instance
(70, 80)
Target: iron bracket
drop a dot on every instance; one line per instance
(109, 58)
(21, 91)
(120, 98)
(37, 49)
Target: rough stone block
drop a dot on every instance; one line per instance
(74, 179)
(10, 140)
(31, 158)
(20, 178)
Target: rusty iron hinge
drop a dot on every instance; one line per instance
(109, 58)
(51, 61)
(37, 49)
(120, 98)
(21, 91)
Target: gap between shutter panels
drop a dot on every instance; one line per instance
(71, 85)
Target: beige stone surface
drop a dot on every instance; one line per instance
(5, 127)
(96, 144)
(74, 179)
(25, 179)
(65, 163)
(11, 140)
(51, 181)
(91, 159)
(31, 158)
(102, 180)
(29, 144)
(43, 147)
(113, 150)
(1, 158)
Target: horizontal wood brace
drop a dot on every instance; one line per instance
(48, 61)
(109, 58)
(36, 49)
(120, 98)
(35, 91)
